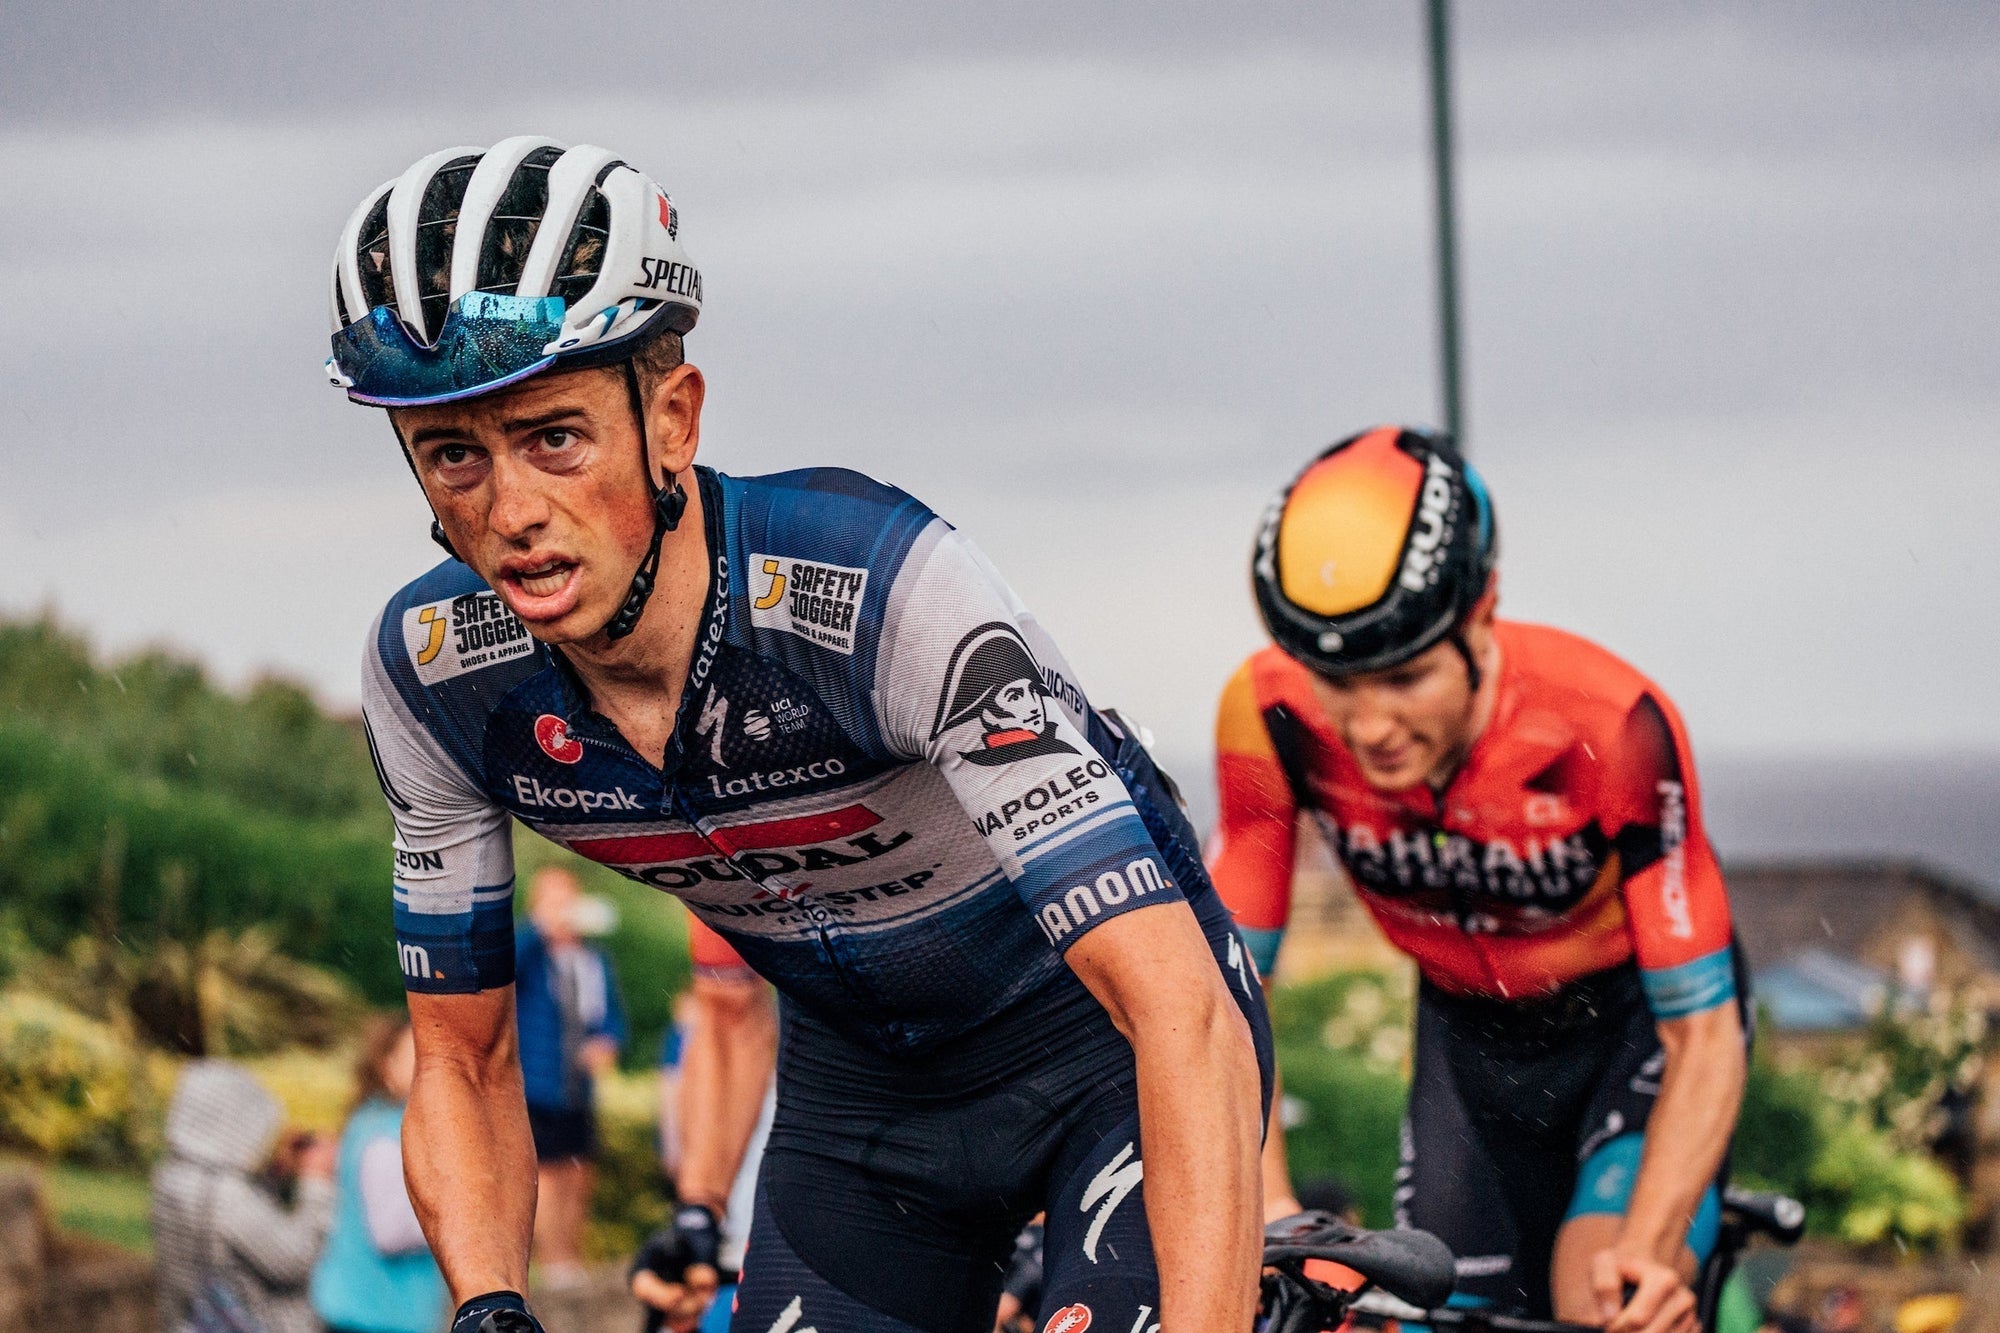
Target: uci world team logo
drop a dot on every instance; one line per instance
(996, 704)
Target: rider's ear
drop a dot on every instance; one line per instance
(673, 421)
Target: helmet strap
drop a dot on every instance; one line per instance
(669, 503)
(1472, 671)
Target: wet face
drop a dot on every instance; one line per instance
(542, 491)
(1409, 724)
(1017, 705)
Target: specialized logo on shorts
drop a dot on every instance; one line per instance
(462, 634)
(1069, 1319)
(788, 1318)
(995, 699)
(552, 734)
(819, 603)
(1120, 1176)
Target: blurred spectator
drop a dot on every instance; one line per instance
(377, 1274)
(221, 1240)
(1021, 1290)
(572, 1024)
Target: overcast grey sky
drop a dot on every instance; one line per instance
(1093, 280)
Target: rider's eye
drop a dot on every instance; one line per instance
(453, 454)
(559, 438)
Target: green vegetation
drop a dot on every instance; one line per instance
(146, 809)
(1341, 1042)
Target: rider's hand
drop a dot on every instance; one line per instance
(1281, 1205)
(1660, 1303)
(495, 1312)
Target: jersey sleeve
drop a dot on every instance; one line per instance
(968, 682)
(454, 875)
(1250, 853)
(1675, 901)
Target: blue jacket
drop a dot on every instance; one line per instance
(354, 1285)
(539, 1015)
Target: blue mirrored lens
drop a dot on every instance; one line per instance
(487, 341)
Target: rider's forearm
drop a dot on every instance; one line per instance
(1701, 1090)
(1198, 1114)
(731, 1048)
(467, 1155)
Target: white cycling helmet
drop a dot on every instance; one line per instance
(478, 268)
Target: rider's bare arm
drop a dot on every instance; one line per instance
(1700, 1093)
(467, 1155)
(1198, 1109)
(731, 1047)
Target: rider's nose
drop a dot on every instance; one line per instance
(518, 507)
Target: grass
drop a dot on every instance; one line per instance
(110, 1206)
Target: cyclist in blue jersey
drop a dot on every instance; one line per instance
(808, 707)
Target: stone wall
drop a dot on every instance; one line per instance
(53, 1282)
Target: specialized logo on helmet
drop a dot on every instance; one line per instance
(994, 683)
(1069, 1319)
(1433, 526)
(552, 734)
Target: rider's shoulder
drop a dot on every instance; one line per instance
(1570, 673)
(817, 494)
(447, 626)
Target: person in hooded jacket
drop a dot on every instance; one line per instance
(213, 1221)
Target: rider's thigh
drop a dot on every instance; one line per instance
(1097, 1250)
(781, 1293)
(1448, 1183)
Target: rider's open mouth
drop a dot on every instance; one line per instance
(546, 580)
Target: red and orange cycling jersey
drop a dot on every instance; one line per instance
(1569, 841)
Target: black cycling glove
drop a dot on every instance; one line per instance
(699, 1233)
(495, 1312)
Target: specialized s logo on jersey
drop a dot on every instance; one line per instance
(995, 700)
(819, 603)
(462, 634)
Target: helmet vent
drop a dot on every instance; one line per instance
(377, 282)
(503, 251)
(583, 257)
(437, 227)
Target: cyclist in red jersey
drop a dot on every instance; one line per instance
(1517, 809)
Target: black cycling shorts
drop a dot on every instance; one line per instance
(892, 1190)
(1507, 1102)
(563, 1133)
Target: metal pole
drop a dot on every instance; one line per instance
(1447, 216)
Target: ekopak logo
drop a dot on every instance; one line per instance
(552, 734)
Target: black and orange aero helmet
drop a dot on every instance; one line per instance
(1375, 552)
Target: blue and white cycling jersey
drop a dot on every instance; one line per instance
(884, 789)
